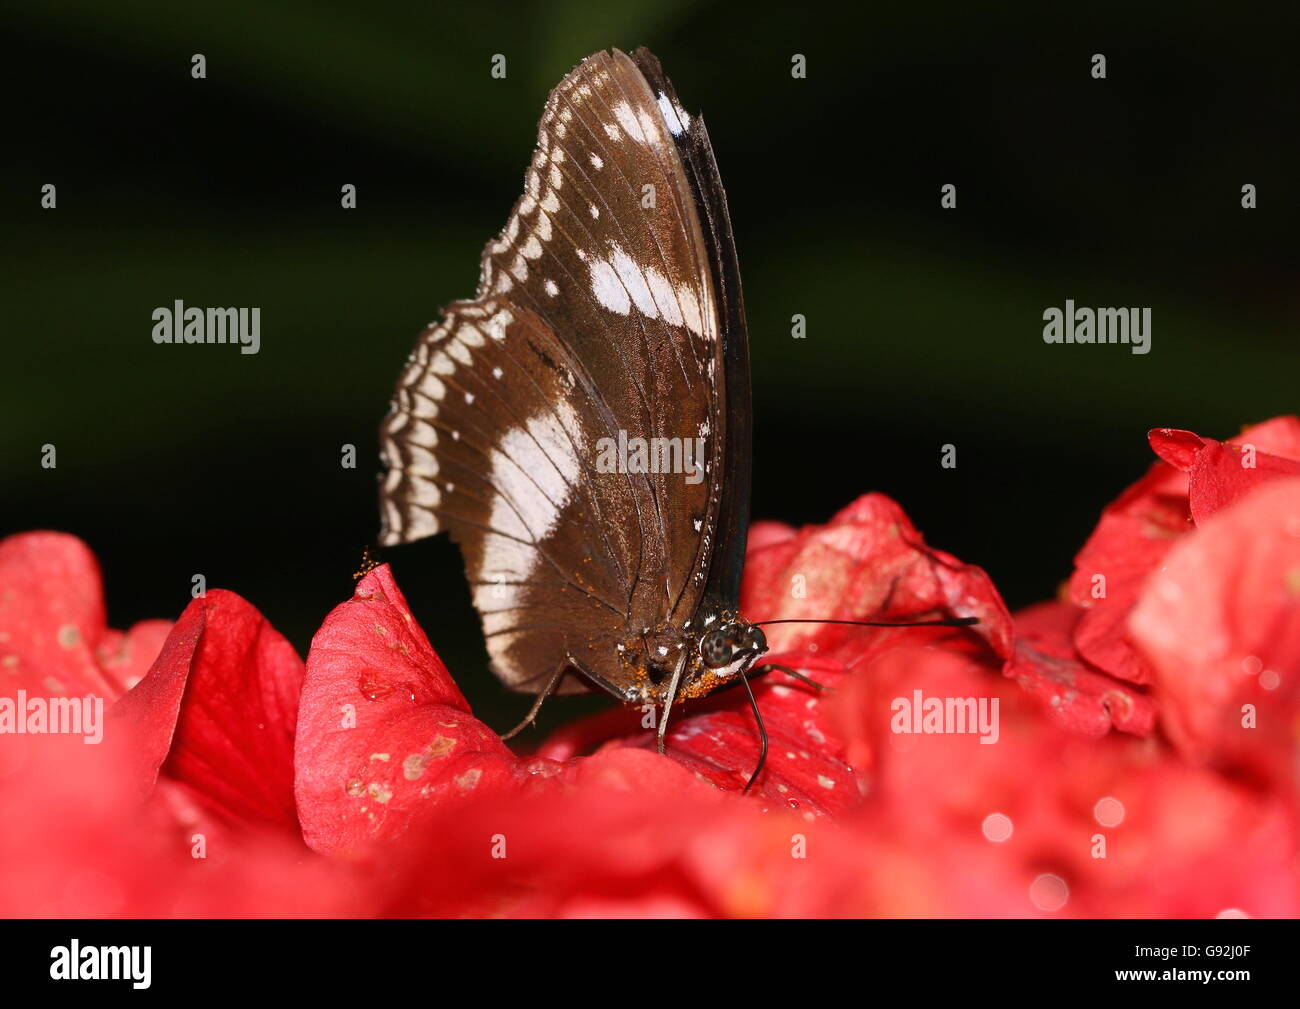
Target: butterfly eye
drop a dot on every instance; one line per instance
(715, 649)
(756, 640)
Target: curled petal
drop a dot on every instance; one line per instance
(217, 712)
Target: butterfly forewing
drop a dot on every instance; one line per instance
(596, 328)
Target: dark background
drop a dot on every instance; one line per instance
(924, 325)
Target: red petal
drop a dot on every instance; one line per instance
(805, 770)
(217, 711)
(1278, 436)
(1223, 472)
(868, 563)
(1189, 844)
(125, 657)
(766, 533)
(1041, 801)
(384, 735)
(1220, 625)
(78, 842)
(910, 770)
(1081, 699)
(51, 617)
(610, 852)
(1130, 541)
(1178, 448)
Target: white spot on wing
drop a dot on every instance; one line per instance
(496, 325)
(675, 117)
(664, 297)
(534, 468)
(619, 282)
(634, 280)
(607, 288)
(638, 125)
(425, 435)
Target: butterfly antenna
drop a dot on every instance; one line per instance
(946, 622)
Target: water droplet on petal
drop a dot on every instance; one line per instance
(1049, 893)
(1109, 811)
(997, 827)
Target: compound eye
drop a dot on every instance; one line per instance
(715, 649)
(757, 640)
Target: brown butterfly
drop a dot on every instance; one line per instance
(582, 427)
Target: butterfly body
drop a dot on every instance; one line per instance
(609, 312)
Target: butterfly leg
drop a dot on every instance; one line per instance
(819, 687)
(537, 704)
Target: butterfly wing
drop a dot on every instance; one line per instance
(735, 399)
(596, 321)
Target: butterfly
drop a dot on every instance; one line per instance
(582, 427)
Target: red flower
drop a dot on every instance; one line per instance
(212, 700)
(1023, 804)
(1196, 477)
(170, 815)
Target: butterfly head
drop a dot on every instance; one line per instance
(703, 655)
(724, 648)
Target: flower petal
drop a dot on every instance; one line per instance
(1133, 535)
(384, 734)
(51, 617)
(126, 656)
(79, 842)
(217, 711)
(1223, 472)
(868, 563)
(1220, 625)
(602, 851)
(1080, 698)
